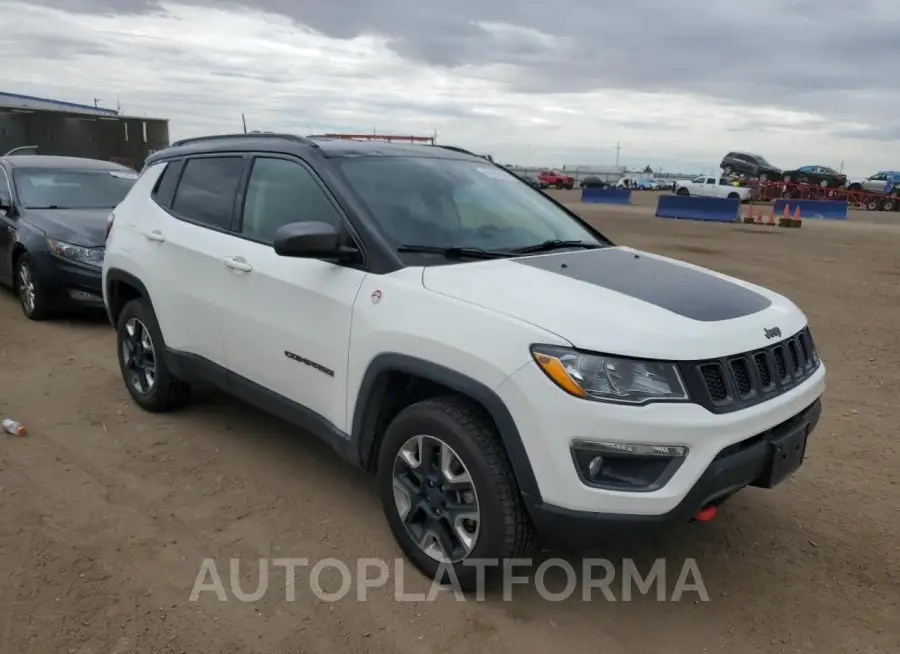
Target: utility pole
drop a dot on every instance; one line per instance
(244, 120)
(618, 148)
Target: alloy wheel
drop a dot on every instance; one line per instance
(138, 356)
(27, 289)
(436, 499)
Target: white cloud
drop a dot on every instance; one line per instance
(203, 67)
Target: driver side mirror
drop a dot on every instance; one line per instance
(312, 241)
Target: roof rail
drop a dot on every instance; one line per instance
(215, 137)
(456, 149)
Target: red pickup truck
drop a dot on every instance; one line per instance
(556, 179)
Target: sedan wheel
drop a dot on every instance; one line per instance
(28, 287)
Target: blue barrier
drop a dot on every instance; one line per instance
(606, 195)
(720, 210)
(827, 209)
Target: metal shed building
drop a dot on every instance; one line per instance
(66, 128)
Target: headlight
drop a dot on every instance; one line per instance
(610, 379)
(89, 256)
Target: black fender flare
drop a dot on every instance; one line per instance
(115, 276)
(369, 398)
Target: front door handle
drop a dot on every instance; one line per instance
(155, 235)
(238, 263)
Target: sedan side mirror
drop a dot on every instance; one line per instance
(311, 241)
(6, 206)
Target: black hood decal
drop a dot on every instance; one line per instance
(690, 293)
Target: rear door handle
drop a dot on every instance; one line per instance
(238, 264)
(155, 235)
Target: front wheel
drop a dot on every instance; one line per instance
(32, 296)
(449, 493)
(734, 196)
(682, 191)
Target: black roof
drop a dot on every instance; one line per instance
(52, 161)
(287, 143)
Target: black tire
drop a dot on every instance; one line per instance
(167, 391)
(727, 170)
(559, 186)
(734, 196)
(32, 294)
(505, 529)
(682, 191)
(873, 205)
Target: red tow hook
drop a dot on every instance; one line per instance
(705, 514)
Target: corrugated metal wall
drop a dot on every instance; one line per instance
(130, 139)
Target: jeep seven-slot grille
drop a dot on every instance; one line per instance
(738, 381)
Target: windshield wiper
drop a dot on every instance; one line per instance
(556, 244)
(456, 252)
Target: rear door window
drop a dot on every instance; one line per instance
(207, 190)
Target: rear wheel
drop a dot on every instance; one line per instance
(873, 205)
(682, 191)
(150, 382)
(734, 196)
(449, 493)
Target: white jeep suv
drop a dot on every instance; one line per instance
(506, 371)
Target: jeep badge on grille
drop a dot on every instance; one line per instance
(772, 333)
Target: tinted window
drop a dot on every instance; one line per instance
(447, 202)
(70, 188)
(282, 192)
(165, 184)
(207, 190)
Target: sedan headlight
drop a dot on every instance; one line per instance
(610, 379)
(89, 256)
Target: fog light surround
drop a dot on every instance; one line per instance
(629, 467)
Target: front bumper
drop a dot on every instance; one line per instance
(69, 283)
(549, 421)
(748, 463)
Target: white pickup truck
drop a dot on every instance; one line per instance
(712, 187)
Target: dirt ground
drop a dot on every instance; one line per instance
(106, 513)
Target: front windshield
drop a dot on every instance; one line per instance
(71, 188)
(457, 203)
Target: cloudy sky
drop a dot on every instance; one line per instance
(676, 82)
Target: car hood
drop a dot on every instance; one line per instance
(84, 227)
(623, 301)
